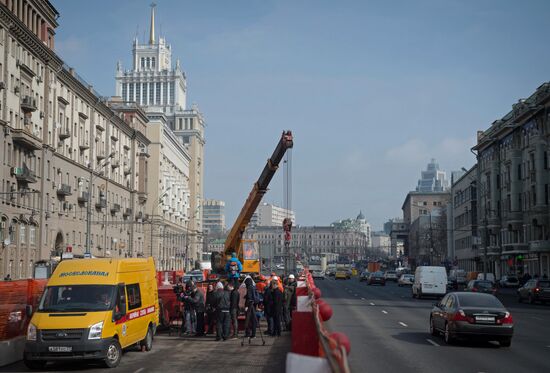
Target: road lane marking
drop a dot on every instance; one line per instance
(372, 304)
(536, 318)
(402, 324)
(139, 370)
(180, 344)
(433, 343)
(384, 312)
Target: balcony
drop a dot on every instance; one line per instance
(127, 171)
(539, 246)
(101, 204)
(64, 190)
(514, 248)
(84, 145)
(28, 104)
(64, 133)
(115, 164)
(24, 139)
(140, 216)
(83, 197)
(115, 208)
(100, 156)
(23, 174)
(127, 212)
(142, 197)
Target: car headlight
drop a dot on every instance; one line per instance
(31, 332)
(95, 331)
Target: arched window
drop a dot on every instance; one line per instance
(23, 233)
(148, 62)
(12, 230)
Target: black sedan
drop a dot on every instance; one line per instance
(364, 276)
(535, 290)
(464, 315)
(376, 278)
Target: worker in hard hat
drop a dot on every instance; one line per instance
(289, 301)
(233, 268)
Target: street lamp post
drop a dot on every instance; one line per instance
(155, 206)
(88, 253)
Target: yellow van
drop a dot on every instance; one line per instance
(92, 309)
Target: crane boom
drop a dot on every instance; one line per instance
(234, 238)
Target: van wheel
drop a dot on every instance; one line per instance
(35, 364)
(114, 354)
(147, 343)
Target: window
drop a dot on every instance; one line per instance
(125, 91)
(157, 98)
(32, 232)
(134, 296)
(131, 98)
(172, 94)
(22, 233)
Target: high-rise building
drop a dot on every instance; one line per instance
(213, 216)
(269, 215)
(433, 179)
(160, 88)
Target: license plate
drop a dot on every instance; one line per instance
(427, 286)
(485, 319)
(60, 349)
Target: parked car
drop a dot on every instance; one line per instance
(509, 281)
(376, 278)
(429, 280)
(486, 276)
(363, 276)
(405, 280)
(535, 291)
(481, 286)
(196, 276)
(472, 315)
(390, 276)
(330, 272)
(318, 274)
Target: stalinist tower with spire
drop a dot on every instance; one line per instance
(161, 89)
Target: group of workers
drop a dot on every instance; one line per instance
(271, 297)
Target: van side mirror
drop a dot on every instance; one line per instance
(28, 310)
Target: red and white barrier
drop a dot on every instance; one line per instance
(310, 338)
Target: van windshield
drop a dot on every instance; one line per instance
(83, 298)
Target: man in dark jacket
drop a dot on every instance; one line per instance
(210, 308)
(223, 305)
(250, 307)
(289, 298)
(234, 309)
(276, 305)
(197, 299)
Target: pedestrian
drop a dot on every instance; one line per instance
(234, 309)
(251, 299)
(210, 309)
(189, 316)
(289, 299)
(7, 277)
(197, 299)
(233, 268)
(261, 284)
(223, 304)
(277, 301)
(268, 309)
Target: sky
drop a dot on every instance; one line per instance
(371, 89)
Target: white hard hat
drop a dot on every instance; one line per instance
(291, 276)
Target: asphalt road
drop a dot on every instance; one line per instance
(388, 330)
(188, 354)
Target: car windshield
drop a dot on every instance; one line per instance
(478, 300)
(85, 298)
(544, 284)
(484, 284)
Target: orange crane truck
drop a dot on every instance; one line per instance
(247, 250)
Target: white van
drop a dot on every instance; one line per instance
(429, 280)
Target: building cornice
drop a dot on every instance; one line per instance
(28, 39)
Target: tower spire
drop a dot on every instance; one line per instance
(152, 31)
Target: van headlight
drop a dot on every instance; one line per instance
(31, 332)
(95, 331)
